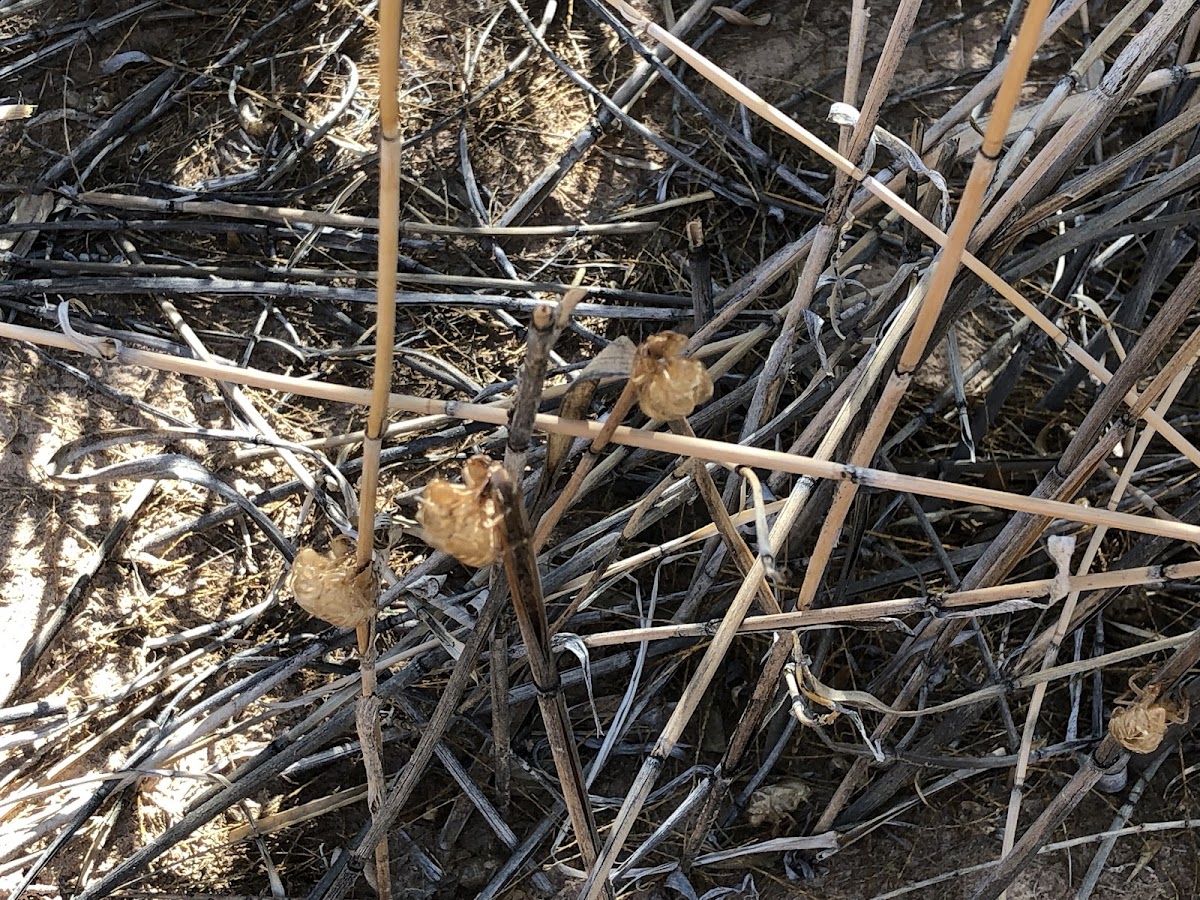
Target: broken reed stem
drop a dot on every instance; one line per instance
(545, 327)
(391, 22)
(973, 602)
(701, 448)
(945, 268)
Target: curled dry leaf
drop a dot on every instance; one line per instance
(331, 587)
(733, 17)
(668, 385)
(461, 519)
(773, 803)
(1140, 728)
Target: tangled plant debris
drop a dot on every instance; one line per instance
(821, 381)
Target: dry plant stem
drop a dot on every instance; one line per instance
(701, 448)
(292, 216)
(341, 875)
(555, 513)
(631, 529)
(974, 601)
(789, 126)
(742, 556)
(498, 685)
(391, 23)
(545, 327)
(525, 587)
(944, 270)
(855, 43)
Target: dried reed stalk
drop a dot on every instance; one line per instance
(700, 448)
(391, 24)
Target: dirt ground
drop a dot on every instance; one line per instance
(125, 641)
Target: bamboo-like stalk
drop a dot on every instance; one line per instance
(975, 601)
(391, 23)
(701, 448)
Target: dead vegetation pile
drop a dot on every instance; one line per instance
(791, 427)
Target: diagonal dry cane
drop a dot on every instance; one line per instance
(391, 20)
